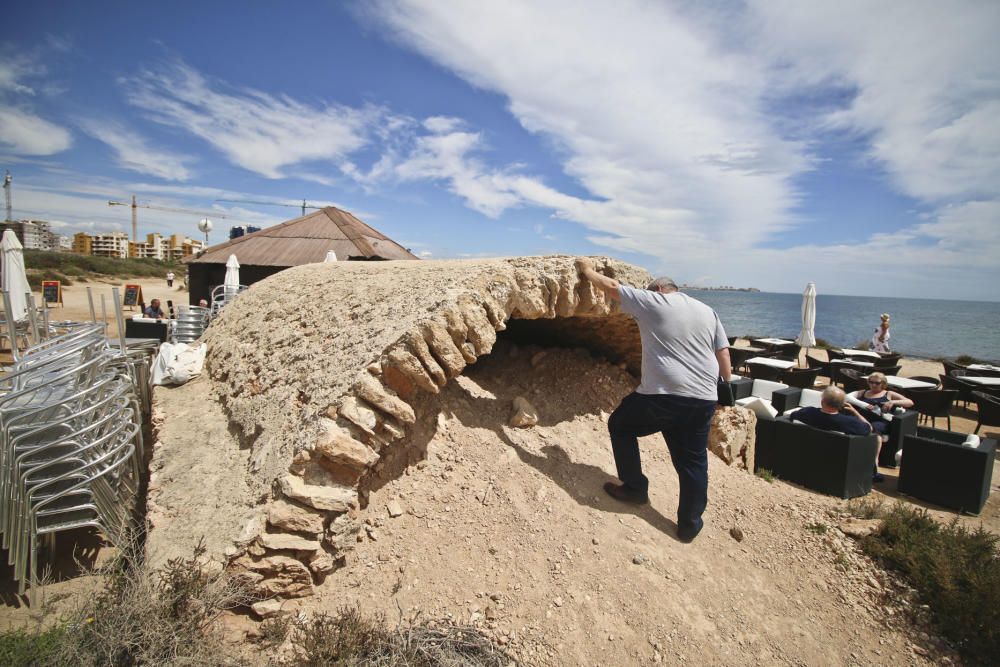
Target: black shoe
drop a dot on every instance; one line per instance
(878, 477)
(625, 494)
(687, 535)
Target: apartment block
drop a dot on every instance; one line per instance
(112, 244)
(83, 243)
(116, 244)
(33, 234)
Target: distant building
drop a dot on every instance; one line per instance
(152, 248)
(33, 234)
(82, 243)
(242, 230)
(112, 244)
(176, 247)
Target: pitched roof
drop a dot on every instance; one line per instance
(306, 240)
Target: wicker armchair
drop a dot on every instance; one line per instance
(934, 403)
(803, 378)
(989, 410)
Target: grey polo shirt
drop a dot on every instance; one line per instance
(680, 336)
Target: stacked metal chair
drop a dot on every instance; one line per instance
(190, 324)
(71, 448)
(222, 295)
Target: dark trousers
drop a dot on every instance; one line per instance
(684, 423)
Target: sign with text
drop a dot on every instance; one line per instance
(52, 291)
(133, 295)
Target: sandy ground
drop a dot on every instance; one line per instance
(508, 529)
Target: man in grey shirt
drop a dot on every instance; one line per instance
(684, 353)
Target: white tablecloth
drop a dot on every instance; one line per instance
(983, 367)
(774, 341)
(992, 382)
(862, 353)
(767, 361)
(907, 383)
(849, 362)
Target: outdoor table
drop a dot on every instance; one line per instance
(988, 381)
(774, 342)
(768, 361)
(906, 383)
(983, 367)
(145, 327)
(851, 362)
(861, 353)
(748, 349)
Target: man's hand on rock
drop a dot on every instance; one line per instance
(583, 264)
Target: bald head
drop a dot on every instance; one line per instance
(833, 398)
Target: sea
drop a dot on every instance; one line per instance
(926, 328)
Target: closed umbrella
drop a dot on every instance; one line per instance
(331, 256)
(15, 281)
(807, 338)
(232, 274)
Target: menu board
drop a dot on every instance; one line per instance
(52, 291)
(133, 295)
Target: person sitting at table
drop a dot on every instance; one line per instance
(836, 414)
(880, 339)
(879, 401)
(154, 310)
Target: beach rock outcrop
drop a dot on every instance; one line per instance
(732, 436)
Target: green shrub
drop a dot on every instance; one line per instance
(965, 360)
(18, 647)
(822, 344)
(68, 263)
(162, 617)
(765, 475)
(349, 638)
(867, 507)
(956, 572)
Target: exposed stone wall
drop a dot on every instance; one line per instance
(320, 367)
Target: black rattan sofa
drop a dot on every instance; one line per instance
(938, 468)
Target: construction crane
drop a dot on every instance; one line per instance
(303, 205)
(135, 217)
(6, 191)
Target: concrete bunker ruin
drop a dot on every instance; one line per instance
(325, 370)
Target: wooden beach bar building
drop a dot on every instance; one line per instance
(303, 240)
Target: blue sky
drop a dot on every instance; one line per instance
(763, 143)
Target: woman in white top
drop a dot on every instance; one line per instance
(880, 339)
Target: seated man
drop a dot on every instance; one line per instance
(835, 414)
(154, 310)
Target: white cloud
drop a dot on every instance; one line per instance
(27, 134)
(133, 152)
(925, 81)
(653, 114)
(260, 132)
(685, 123)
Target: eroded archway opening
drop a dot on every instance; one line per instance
(542, 359)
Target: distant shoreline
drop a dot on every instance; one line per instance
(693, 288)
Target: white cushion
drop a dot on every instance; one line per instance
(810, 398)
(764, 388)
(763, 409)
(971, 441)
